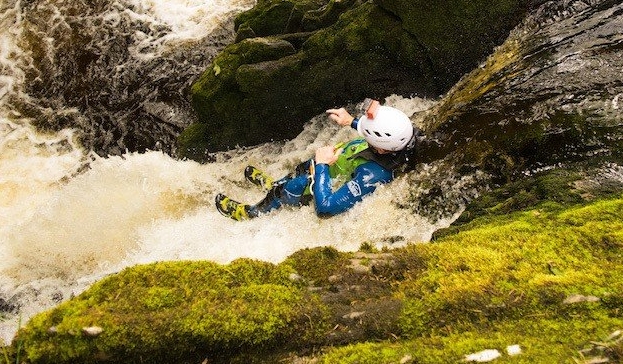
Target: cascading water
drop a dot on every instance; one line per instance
(99, 192)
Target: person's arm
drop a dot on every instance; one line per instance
(328, 203)
(343, 117)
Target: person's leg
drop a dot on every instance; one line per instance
(258, 178)
(290, 190)
(266, 182)
(287, 191)
(231, 208)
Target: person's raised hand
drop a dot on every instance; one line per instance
(340, 116)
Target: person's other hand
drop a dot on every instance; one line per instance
(327, 155)
(340, 116)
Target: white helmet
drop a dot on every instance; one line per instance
(390, 129)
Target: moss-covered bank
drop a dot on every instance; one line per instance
(547, 277)
(176, 312)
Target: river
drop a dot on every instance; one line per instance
(95, 189)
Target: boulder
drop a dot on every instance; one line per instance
(338, 52)
(459, 34)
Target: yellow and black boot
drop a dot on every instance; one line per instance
(258, 178)
(230, 208)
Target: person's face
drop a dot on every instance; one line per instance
(381, 151)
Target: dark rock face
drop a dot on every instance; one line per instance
(549, 95)
(360, 50)
(457, 35)
(548, 99)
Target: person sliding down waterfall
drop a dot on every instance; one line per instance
(388, 140)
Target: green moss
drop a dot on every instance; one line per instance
(255, 77)
(220, 76)
(368, 247)
(194, 142)
(523, 264)
(365, 353)
(549, 279)
(545, 191)
(361, 30)
(221, 96)
(265, 88)
(458, 31)
(538, 339)
(505, 282)
(160, 310)
(317, 264)
(272, 17)
(326, 15)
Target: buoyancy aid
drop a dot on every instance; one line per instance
(346, 163)
(349, 159)
(355, 153)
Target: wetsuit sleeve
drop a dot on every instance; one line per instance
(366, 178)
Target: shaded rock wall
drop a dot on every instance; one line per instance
(548, 95)
(457, 35)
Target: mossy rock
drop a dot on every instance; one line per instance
(548, 279)
(176, 312)
(317, 265)
(278, 17)
(273, 17)
(355, 50)
(549, 188)
(246, 311)
(258, 99)
(194, 142)
(221, 85)
(458, 34)
(326, 15)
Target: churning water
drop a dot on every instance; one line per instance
(77, 205)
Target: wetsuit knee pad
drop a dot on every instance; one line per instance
(285, 192)
(293, 190)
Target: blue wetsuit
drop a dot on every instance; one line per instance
(366, 178)
(294, 190)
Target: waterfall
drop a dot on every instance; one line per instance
(91, 99)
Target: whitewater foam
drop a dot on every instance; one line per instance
(186, 20)
(71, 217)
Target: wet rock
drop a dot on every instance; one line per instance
(540, 99)
(577, 298)
(7, 306)
(483, 356)
(369, 50)
(512, 350)
(335, 278)
(92, 330)
(354, 315)
(295, 277)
